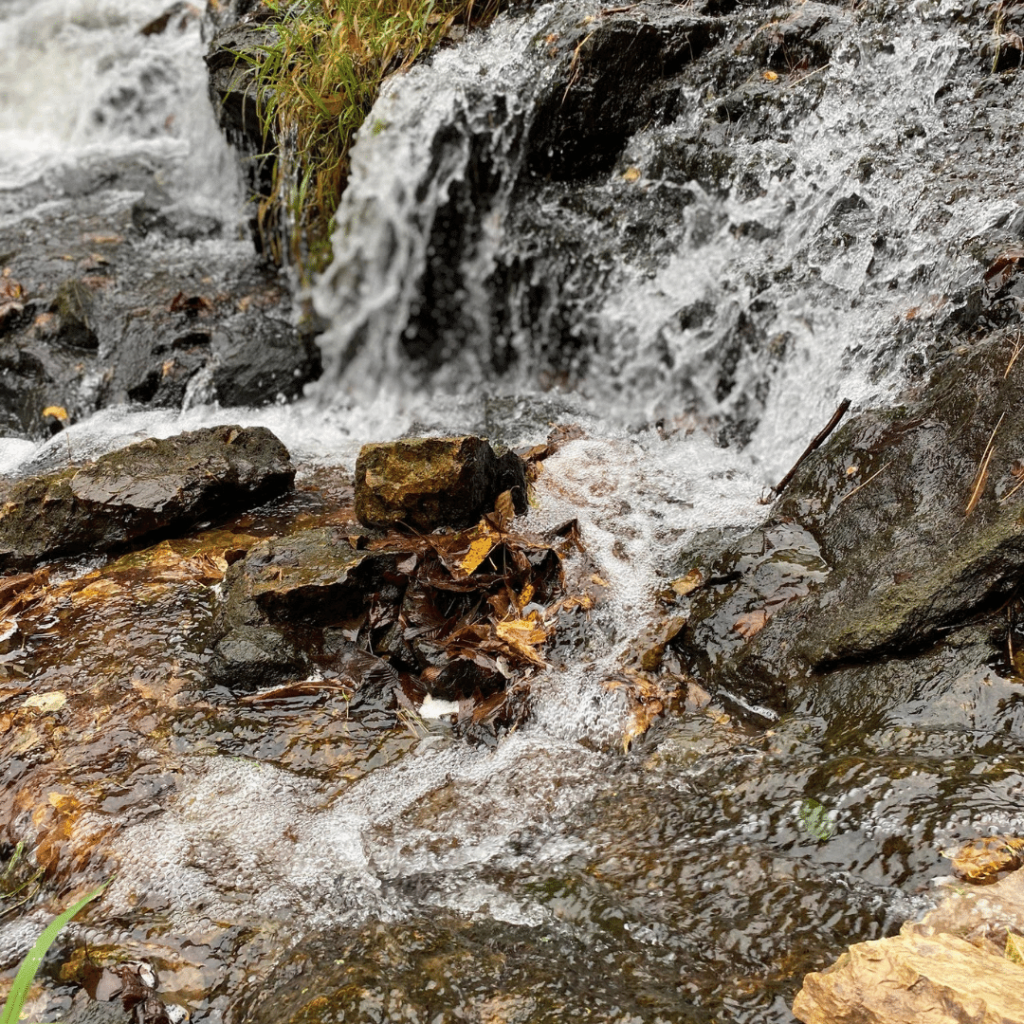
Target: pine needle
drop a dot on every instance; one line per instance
(982, 476)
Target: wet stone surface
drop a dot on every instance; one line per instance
(435, 481)
(903, 529)
(117, 293)
(147, 489)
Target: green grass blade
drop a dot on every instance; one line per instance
(30, 965)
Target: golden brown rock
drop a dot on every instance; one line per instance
(427, 482)
(948, 968)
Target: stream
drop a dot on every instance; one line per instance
(550, 875)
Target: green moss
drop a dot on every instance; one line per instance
(318, 74)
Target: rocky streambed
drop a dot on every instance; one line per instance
(620, 740)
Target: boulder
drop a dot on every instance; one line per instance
(427, 482)
(904, 526)
(140, 492)
(313, 578)
(949, 968)
(910, 979)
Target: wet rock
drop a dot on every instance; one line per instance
(939, 980)
(314, 578)
(151, 304)
(73, 306)
(254, 656)
(142, 491)
(948, 969)
(435, 481)
(900, 529)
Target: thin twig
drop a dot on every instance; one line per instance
(981, 479)
(810, 74)
(878, 472)
(1017, 345)
(818, 440)
(1011, 493)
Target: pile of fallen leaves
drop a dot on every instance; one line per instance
(465, 615)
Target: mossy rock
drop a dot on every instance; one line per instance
(901, 528)
(428, 482)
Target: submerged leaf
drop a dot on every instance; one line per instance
(816, 820)
(982, 858)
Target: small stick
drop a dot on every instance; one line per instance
(982, 478)
(850, 494)
(816, 443)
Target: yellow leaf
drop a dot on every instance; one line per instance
(632, 174)
(770, 76)
(57, 411)
(523, 636)
(46, 702)
(478, 551)
(1015, 948)
(600, 582)
(688, 583)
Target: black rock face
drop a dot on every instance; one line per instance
(900, 533)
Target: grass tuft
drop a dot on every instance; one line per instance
(317, 75)
(11, 1013)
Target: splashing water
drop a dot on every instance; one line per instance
(687, 866)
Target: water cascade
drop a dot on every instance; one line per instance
(692, 264)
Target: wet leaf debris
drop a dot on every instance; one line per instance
(457, 618)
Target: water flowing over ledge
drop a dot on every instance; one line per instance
(673, 228)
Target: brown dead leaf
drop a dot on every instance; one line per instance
(689, 583)
(982, 858)
(504, 510)
(750, 624)
(190, 304)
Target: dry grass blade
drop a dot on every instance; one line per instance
(982, 476)
(860, 487)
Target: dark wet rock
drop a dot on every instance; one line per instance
(313, 578)
(254, 656)
(434, 481)
(74, 308)
(142, 491)
(903, 528)
(256, 359)
(141, 303)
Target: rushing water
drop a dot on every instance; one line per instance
(679, 882)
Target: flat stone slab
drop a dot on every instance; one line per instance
(948, 968)
(143, 491)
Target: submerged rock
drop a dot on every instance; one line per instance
(948, 969)
(434, 481)
(142, 491)
(902, 527)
